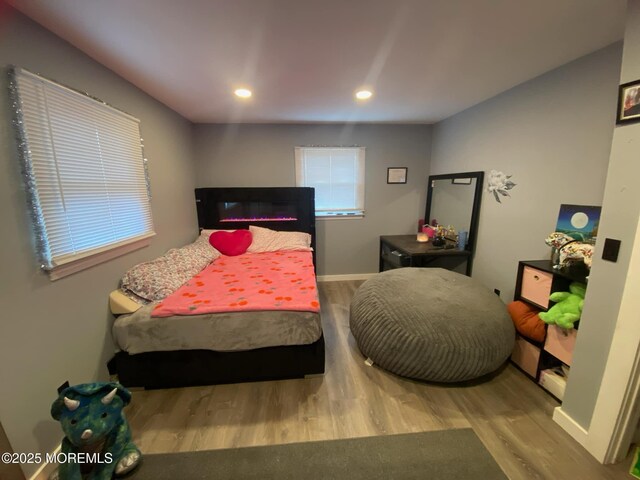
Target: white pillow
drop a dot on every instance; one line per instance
(267, 240)
(205, 233)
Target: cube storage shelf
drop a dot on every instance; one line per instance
(544, 361)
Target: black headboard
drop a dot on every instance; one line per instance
(290, 209)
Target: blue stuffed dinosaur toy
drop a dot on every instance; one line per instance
(97, 443)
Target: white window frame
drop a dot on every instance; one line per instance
(354, 211)
(105, 142)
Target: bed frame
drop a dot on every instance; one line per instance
(183, 368)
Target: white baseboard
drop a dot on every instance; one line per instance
(46, 468)
(343, 278)
(570, 426)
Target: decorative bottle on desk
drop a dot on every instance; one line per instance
(462, 239)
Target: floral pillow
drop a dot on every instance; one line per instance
(267, 240)
(161, 277)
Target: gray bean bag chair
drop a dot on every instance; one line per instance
(431, 324)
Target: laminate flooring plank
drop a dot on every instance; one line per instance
(509, 413)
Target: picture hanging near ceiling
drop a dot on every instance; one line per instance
(629, 103)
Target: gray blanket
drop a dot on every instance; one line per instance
(139, 332)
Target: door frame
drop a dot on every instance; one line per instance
(617, 410)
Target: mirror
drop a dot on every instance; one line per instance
(454, 199)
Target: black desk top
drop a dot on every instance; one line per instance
(408, 245)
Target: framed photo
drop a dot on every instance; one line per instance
(397, 175)
(461, 181)
(629, 103)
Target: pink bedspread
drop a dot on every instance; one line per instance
(248, 282)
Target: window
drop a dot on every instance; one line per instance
(85, 174)
(337, 174)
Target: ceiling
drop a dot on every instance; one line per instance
(425, 60)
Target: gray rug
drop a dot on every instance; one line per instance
(448, 454)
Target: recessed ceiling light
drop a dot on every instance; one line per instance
(243, 93)
(364, 94)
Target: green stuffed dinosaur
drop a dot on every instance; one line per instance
(568, 306)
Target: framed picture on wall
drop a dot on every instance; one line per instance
(397, 175)
(580, 222)
(629, 103)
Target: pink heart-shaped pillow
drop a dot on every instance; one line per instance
(231, 243)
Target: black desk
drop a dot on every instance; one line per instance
(405, 251)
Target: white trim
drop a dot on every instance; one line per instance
(344, 278)
(75, 257)
(45, 469)
(570, 426)
(613, 427)
(615, 414)
(86, 262)
(339, 217)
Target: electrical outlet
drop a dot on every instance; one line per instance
(63, 386)
(496, 291)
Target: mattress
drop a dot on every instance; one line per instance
(227, 331)
(245, 302)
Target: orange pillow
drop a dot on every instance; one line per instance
(526, 320)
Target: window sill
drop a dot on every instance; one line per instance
(75, 266)
(340, 217)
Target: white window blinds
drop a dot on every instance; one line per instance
(85, 171)
(337, 174)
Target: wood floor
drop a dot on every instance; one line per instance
(508, 412)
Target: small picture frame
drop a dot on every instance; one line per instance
(629, 103)
(397, 174)
(461, 181)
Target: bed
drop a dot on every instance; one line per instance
(176, 350)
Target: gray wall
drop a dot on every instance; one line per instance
(262, 155)
(553, 134)
(56, 331)
(620, 213)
